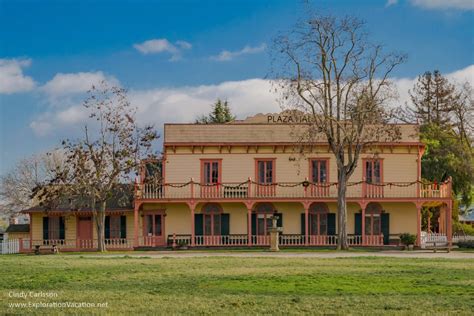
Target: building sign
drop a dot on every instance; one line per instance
(288, 119)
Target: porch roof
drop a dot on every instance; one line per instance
(18, 228)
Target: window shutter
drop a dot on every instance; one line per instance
(385, 226)
(303, 224)
(45, 228)
(331, 224)
(225, 224)
(107, 227)
(123, 226)
(254, 224)
(280, 219)
(62, 230)
(198, 222)
(358, 224)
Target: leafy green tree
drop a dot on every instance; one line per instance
(220, 113)
(446, 155)
(445, 111)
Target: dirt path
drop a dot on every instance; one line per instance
(266, 254)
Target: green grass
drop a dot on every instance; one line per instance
(223, 285)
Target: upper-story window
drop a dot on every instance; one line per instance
(211, 171)
(319, 170)
(373, 171)
(265, 171)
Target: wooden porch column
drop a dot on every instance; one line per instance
(418, 223)
(363, 207)
(449, 225)
(192, 206)
(135, 224)
(249, 223)
(306, 223)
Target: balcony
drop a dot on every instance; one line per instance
(291, 190)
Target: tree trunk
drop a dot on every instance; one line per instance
(100, 224)
(342, 211)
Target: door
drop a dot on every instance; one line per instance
(84, 232)
(153, 233)
(265, 178)
(373, 178)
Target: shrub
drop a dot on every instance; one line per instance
(408, 239)
(464, 229)
(466, 244)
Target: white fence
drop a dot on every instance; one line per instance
(10, 246)
(429, 240)
(457, 238)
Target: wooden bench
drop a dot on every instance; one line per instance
(435, 246)
(45, 249)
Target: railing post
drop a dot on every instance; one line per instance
(192, 188)
(249, 188)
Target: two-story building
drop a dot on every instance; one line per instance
(219, 185)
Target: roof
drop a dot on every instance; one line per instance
(18, 228)
(121, 200)
(258, 129)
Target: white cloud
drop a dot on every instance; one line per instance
(156, 46)
(391, 2)
(74, 83)
(458, 77)
(444, 4)
(226, 55)
(184, 104)
(12, 79)
(41, 127)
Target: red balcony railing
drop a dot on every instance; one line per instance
(252, 190)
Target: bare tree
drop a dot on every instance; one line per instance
(105, 158)
(16, 186)
(329, 71)
(463, 114)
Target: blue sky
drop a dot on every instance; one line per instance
(175, 57)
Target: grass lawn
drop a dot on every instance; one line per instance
(240, 285)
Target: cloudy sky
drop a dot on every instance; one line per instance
(177, 57)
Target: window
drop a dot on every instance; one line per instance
(319, 170)
(211, 172)
(114, 227)
(264, 213)
(212, 219)
(373, 222)
(265, 171)
(53, 229)
(265, 175)
(373, 171)
(318, 219)
(153, 225)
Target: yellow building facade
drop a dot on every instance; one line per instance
(220, 185)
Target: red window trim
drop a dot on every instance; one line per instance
(266, 214)
(157, 212)
(273, 160)
(364, 171)
(310, 177)
(204, 213)
(219, 168)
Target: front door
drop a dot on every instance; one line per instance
(153, 233)
(84, 232)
